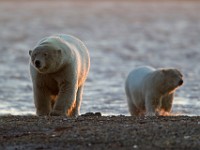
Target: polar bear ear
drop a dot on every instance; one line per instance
(30, 52)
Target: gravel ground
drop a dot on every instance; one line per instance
(93, 131)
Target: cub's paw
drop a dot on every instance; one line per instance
(57, 113)
(42, 113)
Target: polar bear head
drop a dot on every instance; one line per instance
(169, 79)
(46, 58)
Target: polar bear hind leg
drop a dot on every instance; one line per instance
(134, 111)
(77, 105)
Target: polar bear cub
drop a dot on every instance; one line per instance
(150, 91)
(59, 66)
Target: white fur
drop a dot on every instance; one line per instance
(148, 91)
(58, 84)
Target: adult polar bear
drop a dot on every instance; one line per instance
(151, 91)
(59, 66)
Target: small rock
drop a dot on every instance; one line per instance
(135, 146)
(91, 114)
(53, 135)
(186, 137)
(88, 114)
(89, 144)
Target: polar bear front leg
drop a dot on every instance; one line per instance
(167, 101)
(42, 101)
(65, 100)
(152, 104)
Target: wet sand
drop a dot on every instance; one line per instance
(93, 131)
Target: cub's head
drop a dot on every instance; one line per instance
(172, 79)
(45, 59)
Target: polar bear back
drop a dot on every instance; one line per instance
(62, 38)
(82, 54)
(65, 42)
(73, 40)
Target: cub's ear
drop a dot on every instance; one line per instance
(59, 51)
(164, 71)
(30, 52)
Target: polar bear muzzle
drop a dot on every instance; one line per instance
(180, 82)
(37, 64)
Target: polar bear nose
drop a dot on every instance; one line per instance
(37, 64)
(180, 82)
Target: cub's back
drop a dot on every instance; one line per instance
(136, 77)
